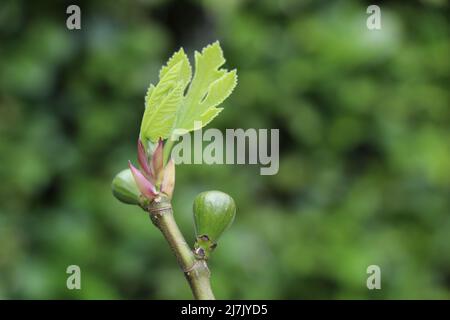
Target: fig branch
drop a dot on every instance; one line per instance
(170, 112)
(195, 270)
(151, 187)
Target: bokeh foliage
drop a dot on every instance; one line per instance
(364, 153)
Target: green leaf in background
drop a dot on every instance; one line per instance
(168, 109)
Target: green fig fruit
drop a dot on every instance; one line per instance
(214, 212)
(124, 188)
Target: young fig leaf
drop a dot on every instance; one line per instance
(163, 100)
(210, 86)
(169, 111)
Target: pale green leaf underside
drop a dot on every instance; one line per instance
(167, 108)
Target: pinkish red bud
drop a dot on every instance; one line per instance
(157, 161)
(168, 180)
(144, 185)
(143, 160)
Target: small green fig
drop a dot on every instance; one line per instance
(124, 188)
(214, 212)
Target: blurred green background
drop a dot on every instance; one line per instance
(364, 148)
